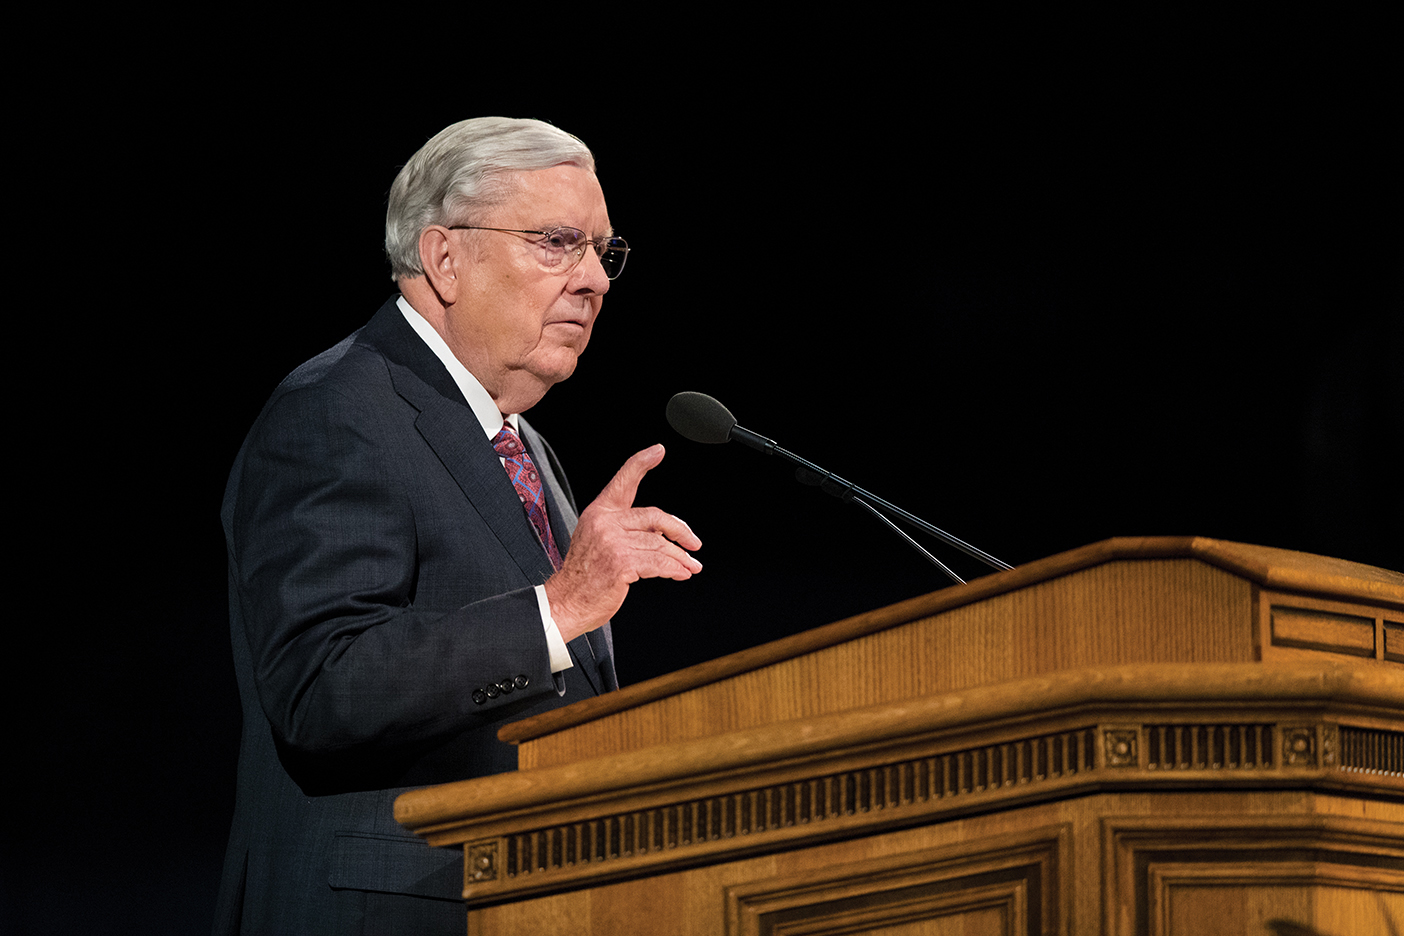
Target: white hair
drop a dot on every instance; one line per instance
(464, 169)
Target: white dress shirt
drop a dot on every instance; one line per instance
(491, 421)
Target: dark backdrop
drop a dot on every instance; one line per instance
(1038, 300)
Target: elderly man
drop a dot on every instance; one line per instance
(406, 568)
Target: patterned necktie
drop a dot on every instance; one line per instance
(527, 481)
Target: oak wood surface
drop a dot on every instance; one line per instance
(1262, 565)
(1372, 694)
(1168, 736)
(1215, 862)
(1122, 601)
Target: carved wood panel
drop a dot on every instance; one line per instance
(1009, 885)
(1181, 876)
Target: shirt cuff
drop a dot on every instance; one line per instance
(560, 656)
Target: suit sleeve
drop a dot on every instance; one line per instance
(371, 617)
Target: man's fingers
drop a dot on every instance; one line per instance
(615, 545)
(654, 520)
(675, 563)
(652, 556)
(624, 486)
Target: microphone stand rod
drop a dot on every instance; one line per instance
(910, 542)
(830, 483)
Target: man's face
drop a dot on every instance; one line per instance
(517, 327)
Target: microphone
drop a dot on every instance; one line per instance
(701, 418)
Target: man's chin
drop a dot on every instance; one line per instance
(556, 368)
(560, 363)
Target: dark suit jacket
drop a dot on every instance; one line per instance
(380, 571)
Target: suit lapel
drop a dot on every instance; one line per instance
(450, 429)
(448, 426)
(453, 433)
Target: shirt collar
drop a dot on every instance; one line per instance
(478, 398)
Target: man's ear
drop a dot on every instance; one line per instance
(439, 256)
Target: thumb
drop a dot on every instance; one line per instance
(624, 486)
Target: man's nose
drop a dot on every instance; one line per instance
(589, 275)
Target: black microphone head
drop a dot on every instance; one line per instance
(700, 418)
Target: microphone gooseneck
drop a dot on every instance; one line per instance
(701, 418)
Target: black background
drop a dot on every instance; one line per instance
(1040, 293)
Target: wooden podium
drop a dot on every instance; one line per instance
(1143, 736)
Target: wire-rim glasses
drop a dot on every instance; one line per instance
(562, 248)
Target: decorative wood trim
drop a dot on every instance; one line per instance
(1366, 750)
(601, 844)
(1393, 640)
(1292, 625)
(1245, 726)
(1122, 746)
(1299, 746)
(1145, 858)
(1022, 877)
(725, 825)
(481, 861)
(929, 787)
(1309, 629)
(1372, 695)
(1274, 569)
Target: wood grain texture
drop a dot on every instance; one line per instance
(1138, 695)
(1166, 735)
(1099, 886)
(1173, 599)
(1175, 610)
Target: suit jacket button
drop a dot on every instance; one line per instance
(521, 681)
(506, 685)
(492, 691)
(479, 696)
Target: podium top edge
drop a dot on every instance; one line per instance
(1266, 566)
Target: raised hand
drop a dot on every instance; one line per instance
(615, 545)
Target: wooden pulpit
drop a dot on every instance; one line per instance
(1144, 736)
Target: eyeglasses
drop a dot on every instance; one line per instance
(563, 247)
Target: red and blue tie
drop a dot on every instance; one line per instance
(527, 480)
